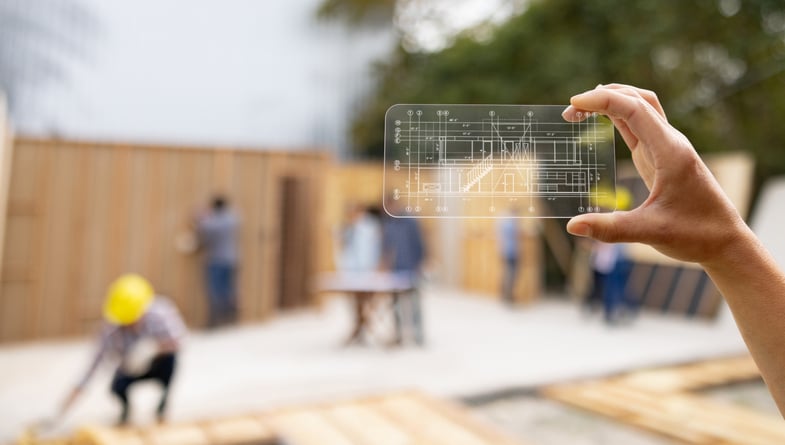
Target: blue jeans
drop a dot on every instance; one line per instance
(221, 293)
(615, 297)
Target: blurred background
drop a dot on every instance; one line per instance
(121, 122)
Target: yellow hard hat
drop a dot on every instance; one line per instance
(620, 199)
(127, 299)
(623, 198)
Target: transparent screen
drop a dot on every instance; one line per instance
(492, 161)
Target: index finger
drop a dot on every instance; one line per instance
(648, 95)
(642, 119)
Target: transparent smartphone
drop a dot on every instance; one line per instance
(492, 161)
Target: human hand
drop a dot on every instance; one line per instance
(686, 216)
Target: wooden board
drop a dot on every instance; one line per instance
(407, 418)
(660, 400)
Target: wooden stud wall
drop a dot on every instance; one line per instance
(82, 213)
(482, 265)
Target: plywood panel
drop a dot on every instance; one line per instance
(430, 426)
(99, 209)
(176, 217)
(191, 192)
(308, 428)
(272, 228)
(247, 194)
(22, 218)
(392, 419)
(223, 170)
(77, 220)
(36, 298)
(140, 220)
(155, 254)
(83, 213)
(53, 310)
(6, 159)
(659, 400)
(118, 227)
(366, 427)
(20, 230)
(13, 303)
(482, 263)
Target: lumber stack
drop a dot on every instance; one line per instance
(664, 401)
(393, 419)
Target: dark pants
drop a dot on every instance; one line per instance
(509, 279)
(609, 291)
(161, 370)
(596, 296)
(616, 301)
(221, 292)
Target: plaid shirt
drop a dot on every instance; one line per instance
(161, 322)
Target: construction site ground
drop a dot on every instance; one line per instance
(477, 350)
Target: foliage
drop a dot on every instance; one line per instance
(716, 66)
(357, 11)
(37, 40)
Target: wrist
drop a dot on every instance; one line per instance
(738, 247)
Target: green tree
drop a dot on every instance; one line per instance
(357, 11)
(716, 65)
(37, 40)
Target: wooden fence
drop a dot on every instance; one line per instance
(78, 214)
(82, 213)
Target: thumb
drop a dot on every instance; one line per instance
(607, 227)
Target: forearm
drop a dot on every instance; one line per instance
(687, 216)
(94, 362)
(754, 288)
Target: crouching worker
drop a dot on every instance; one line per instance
(142, 333)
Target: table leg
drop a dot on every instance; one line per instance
(361, 300)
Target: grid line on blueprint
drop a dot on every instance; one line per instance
(484, 160)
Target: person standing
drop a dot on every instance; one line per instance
(360, 252)
(217, 233)
(142, 334)
(360, 241)
(403, 252)
(509, 248)
(611, 268)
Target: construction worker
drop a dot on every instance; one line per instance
(142, 333)
(611, 266)
(217, 232)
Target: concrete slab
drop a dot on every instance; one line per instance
(474, 346)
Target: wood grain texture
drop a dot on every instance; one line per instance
(81, 213)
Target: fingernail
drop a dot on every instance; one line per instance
(579, 229)
(598, 85)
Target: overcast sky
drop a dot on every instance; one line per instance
(233, 72)
(238, 72)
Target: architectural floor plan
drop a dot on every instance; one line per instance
(496, 161)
